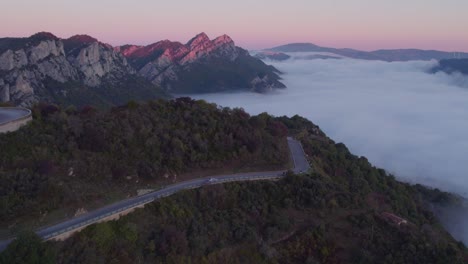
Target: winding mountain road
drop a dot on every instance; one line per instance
(297, 155)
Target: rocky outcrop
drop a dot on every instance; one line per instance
(13, 59)
(25, 69)
(201, 65)
(81, 70)
(263, 84)
(28, 65)
(127, 49)
(96, 61)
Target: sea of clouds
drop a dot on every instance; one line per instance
(409, 122)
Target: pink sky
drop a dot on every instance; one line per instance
(360, 24)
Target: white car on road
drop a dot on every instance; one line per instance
(212, 180)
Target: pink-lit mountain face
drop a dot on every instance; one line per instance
(45, 67)
(196, 48)
(201, 65)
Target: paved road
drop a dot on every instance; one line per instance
(10, 114)
(297, 154)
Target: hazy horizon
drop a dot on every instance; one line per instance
(364, 25)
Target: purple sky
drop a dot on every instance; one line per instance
(360, 24)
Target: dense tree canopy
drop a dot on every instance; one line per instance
(335, 213)
(332, 214)
(69, 157)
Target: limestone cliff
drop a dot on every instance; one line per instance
(201, 65)
(28, 67)
(82, 70)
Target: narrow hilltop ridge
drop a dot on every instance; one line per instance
(384, 55)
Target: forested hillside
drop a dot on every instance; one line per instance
(339, 213)
(452, 66)
(70, 159)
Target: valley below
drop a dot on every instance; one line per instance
(401, 118)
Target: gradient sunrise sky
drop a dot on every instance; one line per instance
(253, 24)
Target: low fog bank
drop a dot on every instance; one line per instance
(411, 123)
(454, 219)
(402, 119)
(455, 79)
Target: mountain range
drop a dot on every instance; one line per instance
(384, 55)
(201, 65)
(81, 70)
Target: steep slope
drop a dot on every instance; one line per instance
(65, 159)
(79, 70)
(345, 211)
(385, 55)
(201, 65)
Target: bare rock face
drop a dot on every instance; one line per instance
(45, 49)
(5, 92)
(31, 62)
(201, 46)
(174, 65)
(96, 61)
(13, 59)
(262, 85)
(198, 47)
(44, 67)
(225, 47)
(127, 49)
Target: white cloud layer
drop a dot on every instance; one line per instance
(413, 124)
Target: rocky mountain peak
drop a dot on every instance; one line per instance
(201, 47)
(199, 40)
(127, 50)
(222, 40)
(40, 36)
(75, 44)
(85, 39)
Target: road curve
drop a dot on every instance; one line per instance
(297, 155)
(8, 114)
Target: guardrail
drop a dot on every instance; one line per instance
(16, 118)
(150, 199)
(97, 218)
(27, 115)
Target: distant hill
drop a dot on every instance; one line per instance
(278, 56)
(384, 55)
(452, 65)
